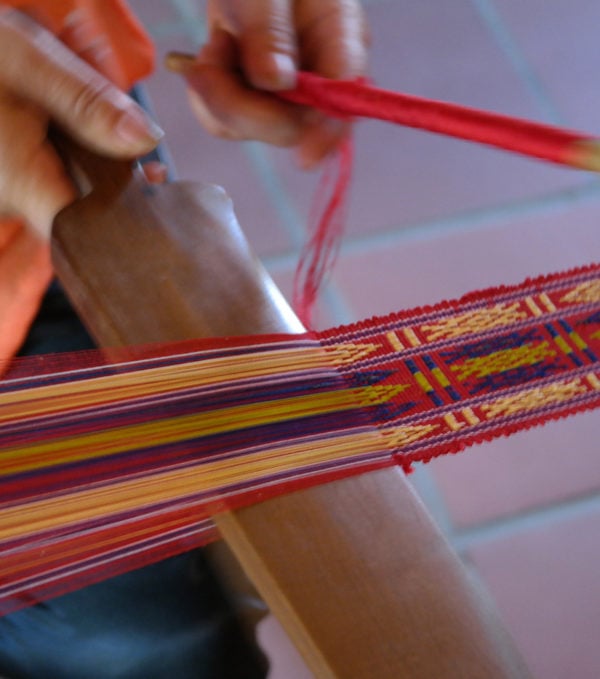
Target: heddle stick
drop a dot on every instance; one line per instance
(361, 99)
(519, 135)
(347, 613)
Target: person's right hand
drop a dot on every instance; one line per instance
(43, 81)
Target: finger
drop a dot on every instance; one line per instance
(228, 109)
(320, 139)
(155, 172)
(47, 189)
(333, 38)
(226, 106)
(267, 38)
(316, 134)
(33, 182)
(333, 41)
(80, 33)
(44, 71)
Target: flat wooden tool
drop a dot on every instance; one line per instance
(355, 570)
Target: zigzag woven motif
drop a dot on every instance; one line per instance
(106, 468)
(490, 364)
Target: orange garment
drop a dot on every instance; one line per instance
(25, 267)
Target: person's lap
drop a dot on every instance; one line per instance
(170, 620)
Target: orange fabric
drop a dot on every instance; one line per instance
(25, 267)
(132, 51)
(25, 271)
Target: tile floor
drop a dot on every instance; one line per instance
(432, 218)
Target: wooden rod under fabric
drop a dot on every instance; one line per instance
(355, 570)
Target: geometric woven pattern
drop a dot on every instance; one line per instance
(104, 468)
(489, 364)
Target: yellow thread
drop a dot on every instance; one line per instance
(532, 399)
(394, 341)
(474, 321)
(179, 429)
(562, 344)
(577, 340)
(137, 493)
(500, 361)
(470, 416)
(535, 309)
(402, 436)
(584, 293)
(547, 302)
(423, 382)
(380, 393)
(440, 377)
(452, 422)
(140, 383)
(410, 335)
(351, 353)
(593, 380)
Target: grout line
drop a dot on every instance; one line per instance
(483, 217)
(281, 261)
(506, 41)
(192, 21)
(534, 519)
(188, 10)
(428, 490)
(336, 303)
(195, 29)
(278, 195)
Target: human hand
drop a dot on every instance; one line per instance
(255, 49)
(42, 80)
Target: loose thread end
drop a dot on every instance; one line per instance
(320, 252)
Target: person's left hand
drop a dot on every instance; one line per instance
(44, 80)
(256, 48)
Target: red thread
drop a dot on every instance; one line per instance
(320, 252)
(346, 99)
(43, 562)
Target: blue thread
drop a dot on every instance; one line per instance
(491, 346)
(368, 377)
(515, 377)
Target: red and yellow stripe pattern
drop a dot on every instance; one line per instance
(107, 467)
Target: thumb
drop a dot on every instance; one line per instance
(45, 72)
(267, 41)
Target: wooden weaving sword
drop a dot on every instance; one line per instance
(356, 571)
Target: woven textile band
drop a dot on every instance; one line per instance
(105, 468)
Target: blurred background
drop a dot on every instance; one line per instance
(432, 218)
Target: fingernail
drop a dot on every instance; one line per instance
(135, 128)
(281, 74)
